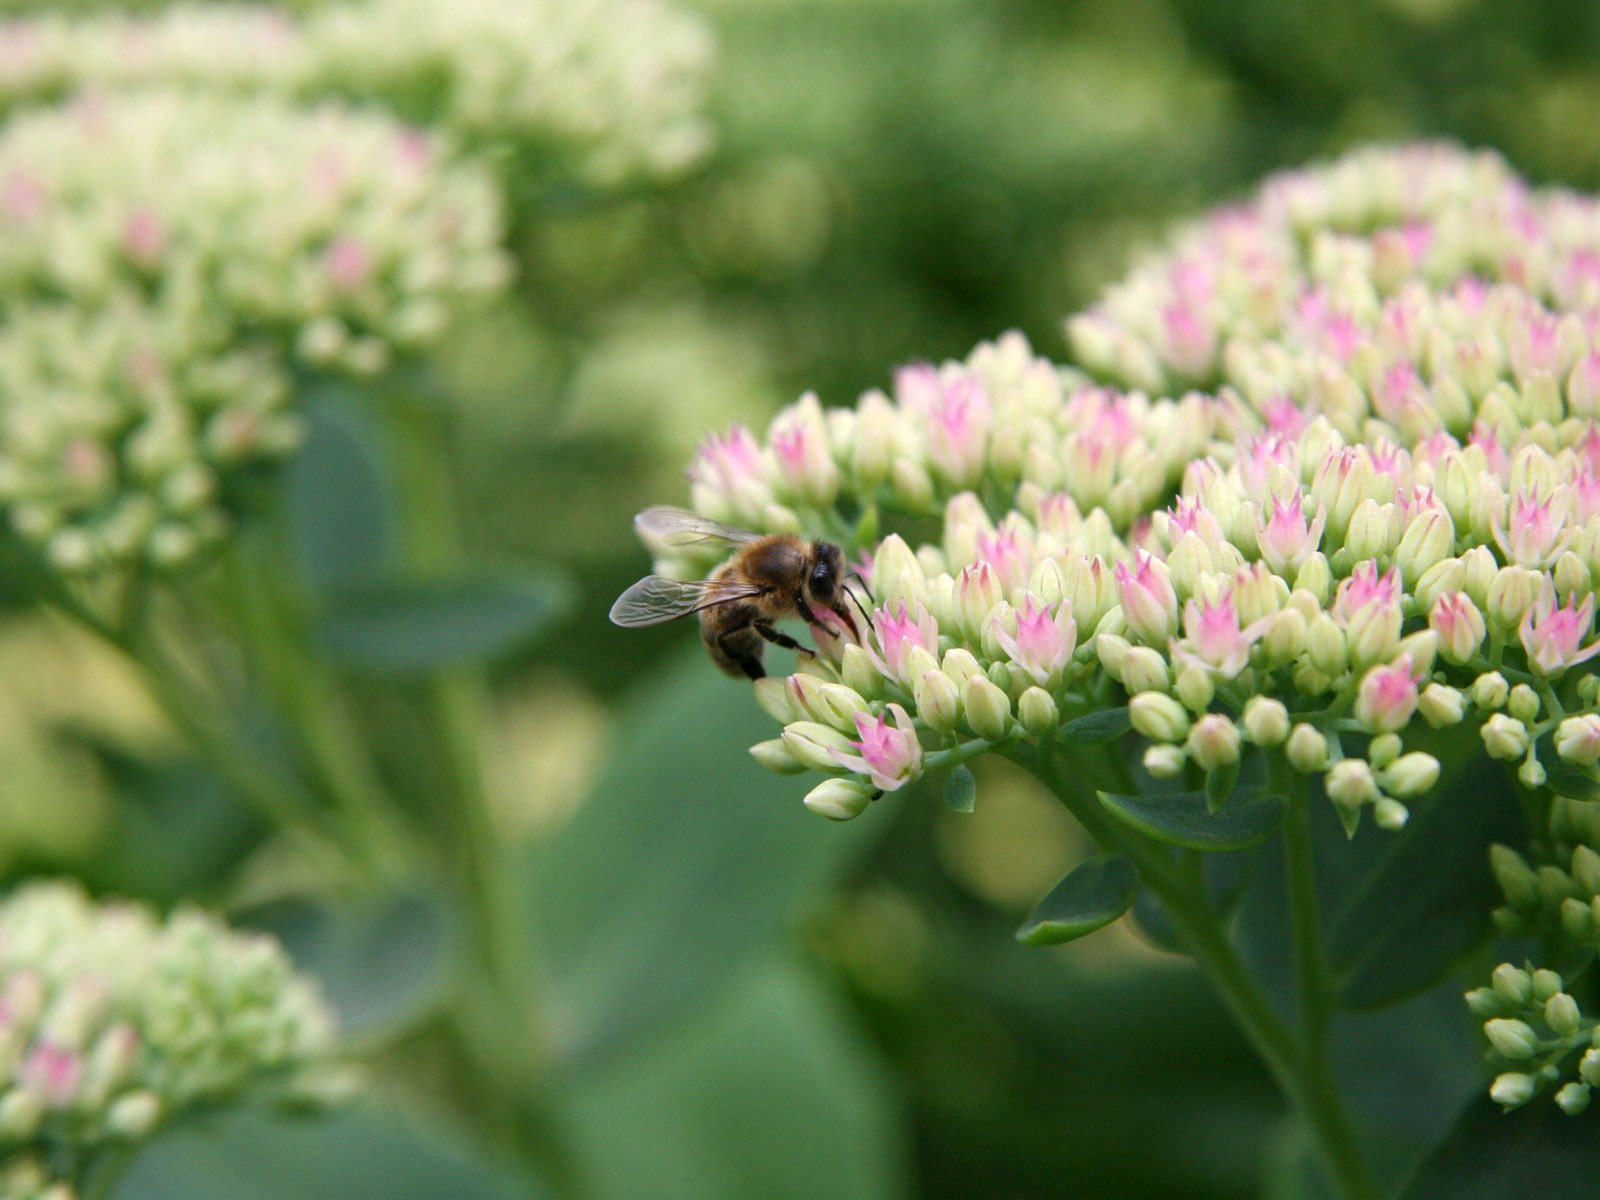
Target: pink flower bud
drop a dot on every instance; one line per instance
(799, 439)
(1553, 636)
(1044, 642)
(888, 754)
(1149, 603)
(897, 635)
(1387, 696)
(1460, 626)
(977, 592)
(1285, 538)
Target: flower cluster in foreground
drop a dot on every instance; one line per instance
(170, 258)
(601, 89)
(1375, 533)
(114, 1022)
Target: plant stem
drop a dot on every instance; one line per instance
(1304, 1079)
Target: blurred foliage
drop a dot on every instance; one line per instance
(894, 180)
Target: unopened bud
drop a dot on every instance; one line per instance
(987, 708)
(1327, 647)
(1286, 635)
(809, 743)
(1562, 1015)
(1266, 721)
(772, 694)
(1490, 690)
(1486, 1002)
(1349, 783)
(1159, 717)
(840, 799)
(1316, 577)
(133, 1116)
(1214, 742)
(938, 701)
(1164, 760)
(1195, 687)
(1513, 983)
(1512, 1038)
(1037, 711)
(1504, 737)
(1390, 814)
(1307, 749)
(774, 756)
(1531, 773)
(1144, 670)
(1573, 1098)
(1441, 706)
(1546, 983)
(1515, 877)
(1523, 703)
(859, 673)
(1511, 594)
(1410, 774)
(1513, 1089)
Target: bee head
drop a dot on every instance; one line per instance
(827, 570)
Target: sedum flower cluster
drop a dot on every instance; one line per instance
(114, 1022)
(170, 259)
(1338, 507)
(607, 89)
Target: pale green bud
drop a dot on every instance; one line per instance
(1478, 575)
(912, 486)
(1266, 721)
(1562, 1015)
(1441, 706)
(1315, 577)
(840, 799)
(810, 741)
(987, 708)
(1515, 877)
(1307, 749)
(1513, 983)
(1504, 737)
(1531, 773)
(1512, 1038)
(1589, 1068)
(772, 694)
(774, 756)
(1586, 869)
(1426, 543)
(1349, 783)
(1486, 1002)
(1164, 760)
(897, 576)
(1513, 1089)
(1573, 1098)
(1112, 651)
(1410, 775)
(1368, 533)
(1037, 711)
(1511, 595)
(1158, 717)
(1309, 681)
(1286, 635)
(960, 665)
(1578, 919)
(1383, 749)
(859, 673)
(1578, 739)
(1195, 687)
(1214, 742)
(1490, 690)
(938, 701)
(1390, 814)
(837, 705)
(21, 1113)
(1326, 646)
(1572, 576)
(1523, 703)
(133, 1116)
(1444, 576)
(1144, 670)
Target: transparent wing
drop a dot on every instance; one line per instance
(679, 527)
(655, 599)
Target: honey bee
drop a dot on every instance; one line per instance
(770, 576)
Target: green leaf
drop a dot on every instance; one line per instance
(1536, 1151)
(404, 625)
(1185, 819)
(686, 860)
(961, 790)
(381, 961)
(336, 491)
(1562, 777)
(1091, 896)
(1426, 900)
(1220, 785)
(769, 1094)
(1097, 728)
(367, 1152)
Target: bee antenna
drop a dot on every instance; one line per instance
(865, 616)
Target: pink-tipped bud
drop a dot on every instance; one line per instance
(977, 592)
(1044, 641)
(1149, 603)
(888, 754)
(1578, 739)
(1214, 742)
(1553, 636)
(1387, 696)
(1460, 626)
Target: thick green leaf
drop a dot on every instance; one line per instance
(380, 961)
(1562, 777)
(1097, 728)
(367, 1152)
(1092, 895)
(1184, 818)
(1536, 1151)
(405, 625)
(686, 859)
(339, 504)
(768, 1094)
(1426, 900)
(961, 790)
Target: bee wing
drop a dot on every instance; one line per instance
(655, 599)
(679, 527)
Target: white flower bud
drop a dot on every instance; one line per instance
(1164, 760)
(774, 756)
(1307, 749)
(1158, 717)
(839, 799)
(1266, 721)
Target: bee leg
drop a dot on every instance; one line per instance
(781, 639)
(748, 663)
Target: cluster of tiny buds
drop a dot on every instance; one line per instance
(603, 90)
(113, 1022)
(170, 258)
(1534, 1027)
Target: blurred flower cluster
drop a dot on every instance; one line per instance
(114, 1022)
(171, 258)
(1381, 520)
(603, 90)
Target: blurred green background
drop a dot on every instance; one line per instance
(829, 1011)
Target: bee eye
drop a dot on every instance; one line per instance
(822, 579)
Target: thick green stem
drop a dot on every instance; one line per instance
(1304, 1079)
